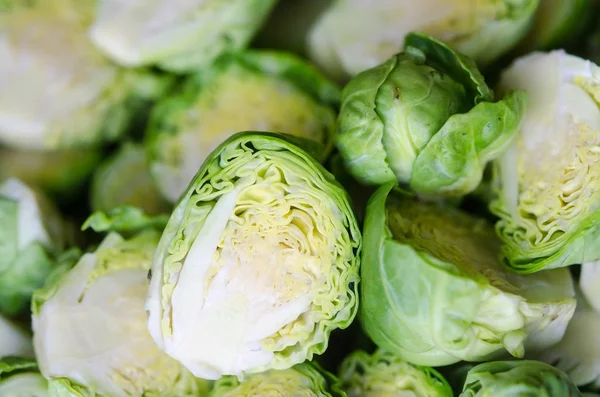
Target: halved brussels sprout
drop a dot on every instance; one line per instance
(14, 340)
(578, 352)
(56, 89)
(548, 192)
(253, 90)
(433, 291)
(425, 118)
(383, 374)
(32, 233)
(176, 36)
(60, 173)
(89, 326)
(124, 179)
(258, 263)
(305, 379)
(557, 22)
(20, 378)
(354, 35)
(518, 378)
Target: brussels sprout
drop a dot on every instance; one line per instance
(31, 236)
(547, 182)
(425, 118)
(557, 22)
(434, 293)
(90, 330)
(14, 340)
(56, 90)
(266, 91)
(124, 179)
(518, 378)
(578, 352)
(20, 378)
(385, 375)
(61, 174)
(354, 35)
(177, 36)
(258, 263)
(301, 380)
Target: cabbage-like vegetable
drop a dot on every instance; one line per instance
(383, 374)
(557, 22)
(433, 291)
(301, 380)
(425, 118)
(548, 193)
(90, 332)
(258, 263)
(14, 340)
(518, 378)
(253, 90)
(56, 89)
(578, 352)
(61, 174)
(354, 35)
(20, 378)
(124, 179)
(177, 36)
(31, 235)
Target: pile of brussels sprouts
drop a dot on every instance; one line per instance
(337, 198)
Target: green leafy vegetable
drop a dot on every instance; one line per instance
(518, 378)
(180, 36)
(354, 35)
(425, 118)
(90, 331)
(383, 374)
(258, 263)
(301, 380)
(434, 293)
(31, 235)
(252, 90)
(548, 196)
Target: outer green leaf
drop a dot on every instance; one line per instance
(412, 120)
(30, 237)
(548, 196)
(124, 219)
(385, 375)
(305, 379)
(518, 378)
(258, 263)
(354, 35)
(19, 377)
(252, 90)
(190, 35)
(433, 292)
(89, 325)
(124, 179)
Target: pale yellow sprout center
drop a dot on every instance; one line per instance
(258, 272)
(558, 150)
